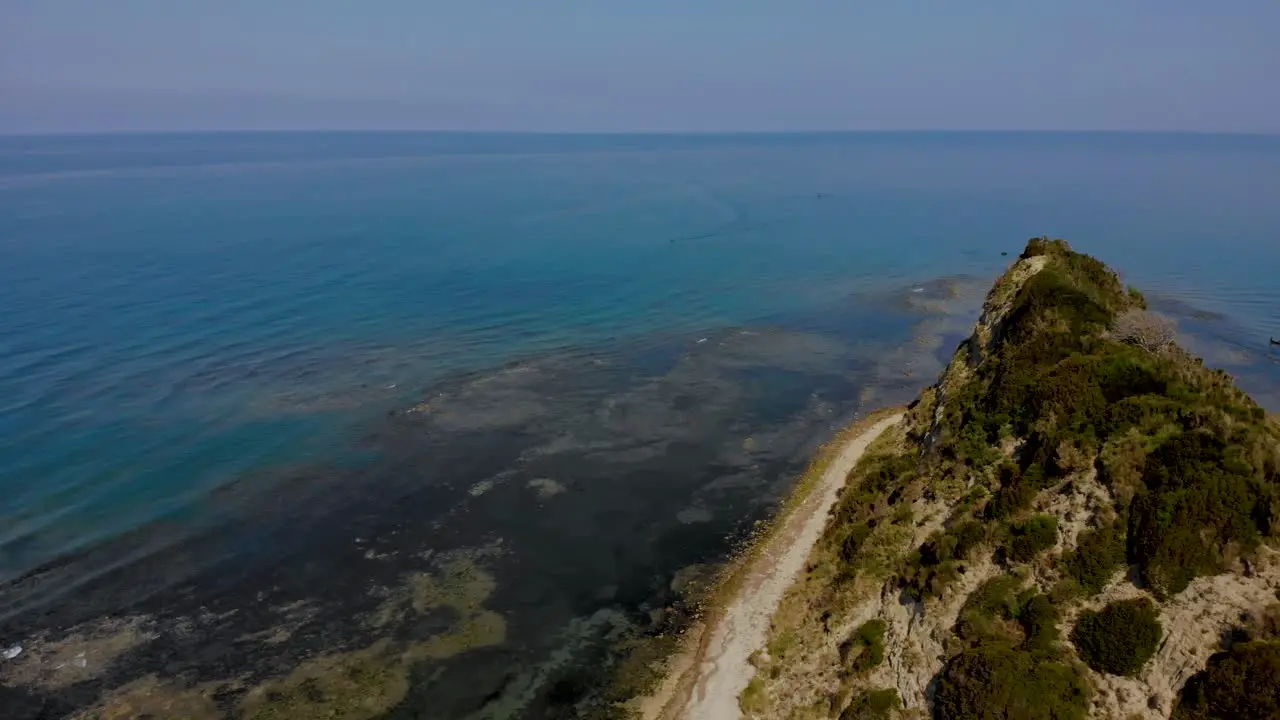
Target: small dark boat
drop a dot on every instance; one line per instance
(1275, 341)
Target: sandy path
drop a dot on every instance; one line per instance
(723, 670)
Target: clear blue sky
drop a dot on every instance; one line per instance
(665, 65)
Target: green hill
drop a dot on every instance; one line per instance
(1076, 521)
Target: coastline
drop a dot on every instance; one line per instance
(359, 581)
(709, 671)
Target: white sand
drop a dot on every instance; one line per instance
(724, 670)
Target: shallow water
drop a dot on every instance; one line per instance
(246, 372)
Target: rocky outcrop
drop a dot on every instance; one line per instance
(1049, 457)
(1197, 622)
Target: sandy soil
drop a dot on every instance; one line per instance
(723, 670)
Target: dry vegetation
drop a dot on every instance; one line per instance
(1150, 331)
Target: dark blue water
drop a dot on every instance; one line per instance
(181, 309)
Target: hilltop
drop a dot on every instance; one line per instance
(1077, 520)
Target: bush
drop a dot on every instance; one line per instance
(868, 641)
(1243, 682)
(1000, 681)
(1150, 331)
(873, 705)
(929, 570)
(1201, 496)
(1000, 612)
(1098, 555)
(989, 611)
(1040, 246)
(1015, 493)
(1032, 538)
(1039, 620)
(1013, 667)
(1137, 299)
(1120, 638)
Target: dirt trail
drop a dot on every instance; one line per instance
(723, 670)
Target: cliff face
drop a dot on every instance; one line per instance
(1077, 520)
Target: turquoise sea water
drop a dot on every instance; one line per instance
(179, 313)
(178, 309)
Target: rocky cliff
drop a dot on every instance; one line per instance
(1077, 520)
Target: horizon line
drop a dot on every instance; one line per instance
(629, 133)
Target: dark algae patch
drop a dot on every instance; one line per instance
(527, 541)
(530, 542)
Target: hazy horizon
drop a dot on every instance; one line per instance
(562, 67)
(640, 133)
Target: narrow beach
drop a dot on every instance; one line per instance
(707, 682)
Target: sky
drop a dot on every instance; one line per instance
(657, 65)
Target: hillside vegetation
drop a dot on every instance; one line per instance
(1075, 521)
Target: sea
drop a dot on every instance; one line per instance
(503, 399)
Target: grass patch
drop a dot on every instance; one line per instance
(991, 611)
(755, 698)
(865, 650)
(873, 705)
(1001, 611)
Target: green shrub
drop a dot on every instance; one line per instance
(1144, 412)
(865, 502)
(1098, 555)
(869, 641)
(930, 569)
(999, 611)
(853, 538)
(1043, 246)
(1039, 620)
(1032, 538)
(1137, 299)
(1120, 638)
(1013, 666)
(1015, 493)
(989, 611)
(1243, 682)
(871, 632)
(873, 705)
(1198, 500)
(1000, 681)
